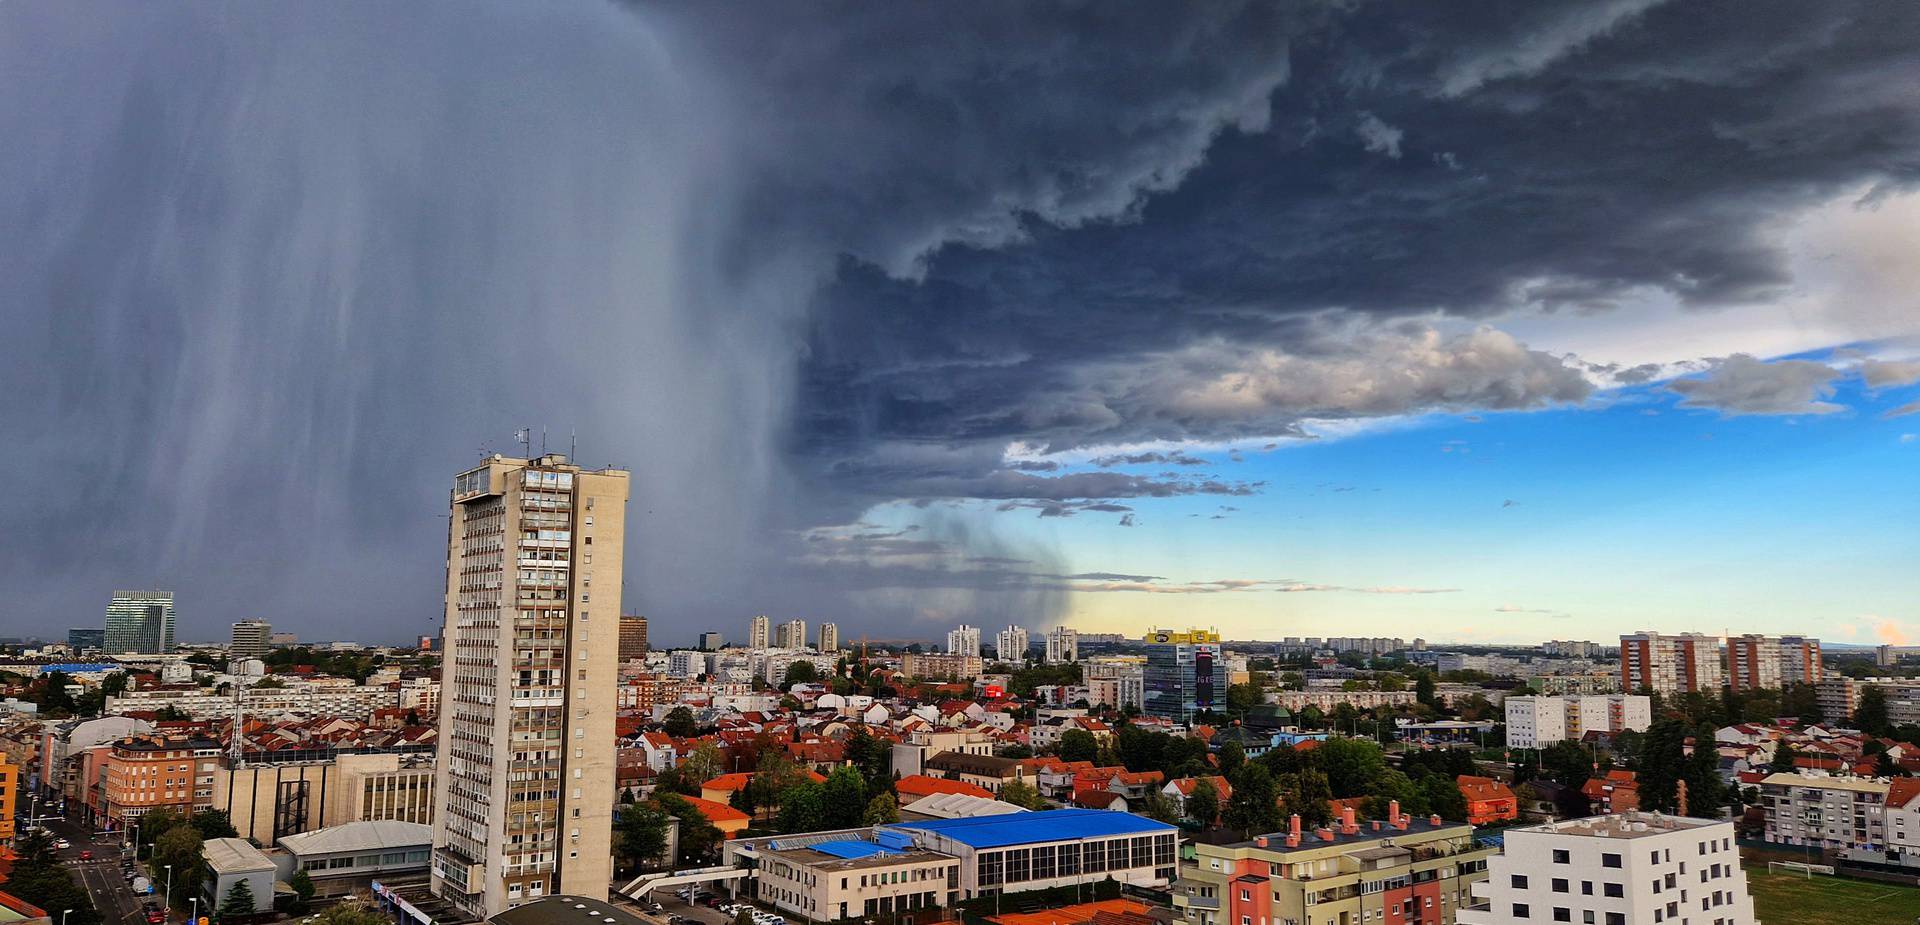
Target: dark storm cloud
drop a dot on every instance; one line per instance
(275, 273)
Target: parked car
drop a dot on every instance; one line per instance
(156, 917)
(86, 855)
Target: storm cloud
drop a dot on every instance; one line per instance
(276, 273)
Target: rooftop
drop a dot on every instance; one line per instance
(1624, 825)
(851, 854)
(234, 856)
(566, 910)
(1855, 784)
(1026, 828)
(372, 835)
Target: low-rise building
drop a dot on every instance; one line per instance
(1537, 722)
(842, 878)
(232, 861)
(344, 859)
(1626, 869)
(1399, 870)
(1489, 801)
(1846, 814)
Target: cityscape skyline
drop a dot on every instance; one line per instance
(1359, 316)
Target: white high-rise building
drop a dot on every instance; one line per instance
(760, 632)
(1671, 664)
(686, 663)
(1011, 645)
(1063, 645)
(964, 640)
(790, 635)
(1623, 869)
(251, 639)
(829, 637)
(1537, 722)
(526, 745)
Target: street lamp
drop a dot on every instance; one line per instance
(63, 916)
(196, 911)
(167, 897)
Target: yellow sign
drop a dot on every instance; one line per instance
(1165, 637)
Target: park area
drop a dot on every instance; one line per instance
(1794, 899)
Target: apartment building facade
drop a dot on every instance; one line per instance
(633, 637)
(760, 632)
(1841, 813)
(1757, 662)
(1625, 869)
(526, 740)
(1540, 721)
(143, 773)
(251, 639)
(1671, 664)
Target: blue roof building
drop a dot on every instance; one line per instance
(1030, 851)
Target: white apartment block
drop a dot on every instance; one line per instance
(963, 640)
(790, 635)
(1756, 662)
(1671, 664)
(829, 637)
(351, 700)
(1537, 722)
(1011, 645)
(1842, 813)
(1063, 645)
(760, 632)
(1625, 869)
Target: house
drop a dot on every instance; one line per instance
(728, 820)
(234, 861)
(1182, 788)
(1617, 792)
(1545, 800)
(987, 771)
(1135, 785)
(1488, 801)
(1253, 743)
(914, 786)
(721, 789)
(1102, 799)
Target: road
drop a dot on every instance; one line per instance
(100, 875)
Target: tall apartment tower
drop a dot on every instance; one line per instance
(710, 641)
(790, 635)
(1063, 645)
(760, 632)
(1800, 661)
(1671, 664)
(633, 637)
(1011, 645)
(829, 637)
(140, 621)
(251, 639)
(526, 759)
(1186, 674)
(964, 640)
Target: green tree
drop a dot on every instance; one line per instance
(1158, 807)
(802, 808)
(882, 809)
(1254, 806)
(845, 794)
(1566, 763)
(1424, 690)
(1706, 793)
(871, 756)
(1444, 797)
(1870, 714)
(680, 724)
(1352, 765)
(1203, 803)
(1661, 763)
(1077, 745)
(704, 763)
(1232, 755)
(1021, 794)
(214, 823)
(39, 877)
(799, 673)
(351, 912)
(1306, 793)
(238, 903)
(180, 847)
(698, 837)
(640, 833)
(1242, 698)
(1783, 755)
(302, 885)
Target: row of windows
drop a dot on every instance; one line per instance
(1046, 862)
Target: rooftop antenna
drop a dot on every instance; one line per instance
(543, 440)
(524, 437)
(573, 440)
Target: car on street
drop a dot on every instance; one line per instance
(86, 855)
(62, 844)
(155, 917)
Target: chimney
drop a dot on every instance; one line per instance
(1434, 820)
(1394, 816)
(1376, 825)
(1347, 826)
(1325, 834)
(1293, 831)
(1260, 842)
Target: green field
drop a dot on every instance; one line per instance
(1792, 899)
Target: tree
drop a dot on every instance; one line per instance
(214, 823)
(1077, 745)
(1352, 765)
(1021, 794)
(1662, 761)
(882, 809)
(640, 833)
(1203, 803)
(679, 723)
(1306, 793)
(1705, 791)
(302, 885)
(1254, 806)
(1159, 807)
(845, 795)
(238, 902)
(704, 764)
(181, 847)
(351, 912)
(802, 808)
(1783, 755)
(1232, 755)
(799, 673)
(1424, 690)
(698, 837)
(39, 877)
(743, 917)
(1016, 750)
(1566, 763)
(872, 757)
(1870, 714)
(1241, 699)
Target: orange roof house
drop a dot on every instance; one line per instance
(915, 786)
(728, 820)
(1488, 800)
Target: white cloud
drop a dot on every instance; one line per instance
(1741, 384)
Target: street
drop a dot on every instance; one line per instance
(100, 875)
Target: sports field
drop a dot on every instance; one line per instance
(1793, 899)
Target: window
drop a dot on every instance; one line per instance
(1610, 860)
(1520, 911)
(1562, 856)
(1519, 881)
(1586, 888)
(1562, 914)
(1560, 885)
(1614, 890)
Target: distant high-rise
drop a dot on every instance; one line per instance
(711, 641)
(1671, 664)
(1185, 674)
(633, 637)
(964, 640)
(1063, 645)
(1756, 662)
(139, 621)
(526, 760)
(790, 635)
(284, 639)
(251, 639)
(1011, 644)
(81, 638)
(760, 632)
(829, 637)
